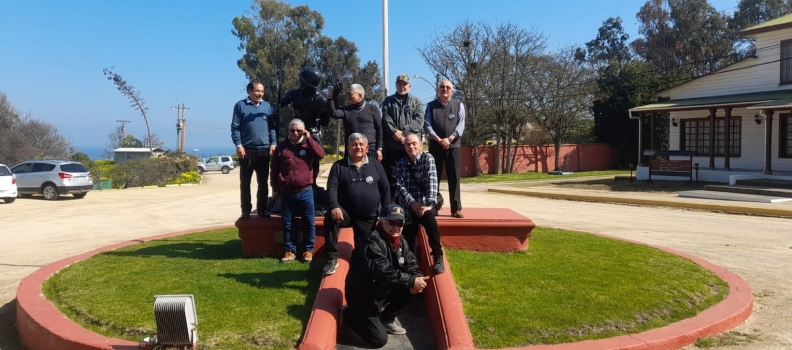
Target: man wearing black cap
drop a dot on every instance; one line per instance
(382, 271)
(402, 114)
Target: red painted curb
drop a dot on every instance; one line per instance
(42, 327)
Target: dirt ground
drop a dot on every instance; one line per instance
(36, 232)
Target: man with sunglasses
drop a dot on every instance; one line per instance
(383, 271)
(416, 181)
(292, 183)
(444, 125)
(356, 187)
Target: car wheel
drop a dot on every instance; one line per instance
(9, 200)
(79, 195)
(226, 170)
(200, 171)
(50, 192)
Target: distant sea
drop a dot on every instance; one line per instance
(95, 152)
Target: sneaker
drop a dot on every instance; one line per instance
(307, 257)
(288, 257)
(330, 267)
(263, 214)
(438, 266)
(245, 215)
(393, 328)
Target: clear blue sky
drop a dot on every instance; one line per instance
(52, 54)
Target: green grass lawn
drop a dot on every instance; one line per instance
(539, 176)
(241, 303)
(573, 286)
(568, 286)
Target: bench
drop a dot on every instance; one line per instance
(482, 229)
(661, 164)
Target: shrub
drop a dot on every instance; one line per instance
(151, 171)
(185, 178)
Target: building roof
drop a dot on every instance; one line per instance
(136, 150)
(777, 99)
(782, 22)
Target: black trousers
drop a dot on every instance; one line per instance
(315, 165)
(360, 225)
(255, 160)
(429, 222)
(389, 159)
(363, 316)
(451, 158)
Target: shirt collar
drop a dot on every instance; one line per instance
(351, 163)
(248, 101)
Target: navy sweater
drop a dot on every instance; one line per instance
(358, 190)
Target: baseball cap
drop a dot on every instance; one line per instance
(403, 77)
(393, 212)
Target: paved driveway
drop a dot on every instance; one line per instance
(36, 232)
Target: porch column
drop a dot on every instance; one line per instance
(712, 138)
(768, 170)
(727, 140)
(651, 131)
(640, 140)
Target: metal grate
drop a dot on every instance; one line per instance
(176, 319)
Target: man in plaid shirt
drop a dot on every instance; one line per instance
(416, 183)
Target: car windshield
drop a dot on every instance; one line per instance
(4, 171)
(73, 168)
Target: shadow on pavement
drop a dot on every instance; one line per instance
(9, 336)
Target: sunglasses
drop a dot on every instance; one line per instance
(295, 131)
(397, 223)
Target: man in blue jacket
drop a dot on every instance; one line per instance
(253, 132)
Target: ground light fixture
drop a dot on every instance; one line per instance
(176, 321)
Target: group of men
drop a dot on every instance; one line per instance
(384, 162)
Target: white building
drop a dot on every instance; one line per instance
(755, 94)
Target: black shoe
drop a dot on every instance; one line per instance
(263, 214)
(438, 266)
(245, 215)
(330, 267)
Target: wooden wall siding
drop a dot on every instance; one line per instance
(760, 74)
(753, 136)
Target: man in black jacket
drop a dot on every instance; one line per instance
(356, 187)
(358, 116)
(382, 271)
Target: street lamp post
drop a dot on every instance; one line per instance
(434, 88)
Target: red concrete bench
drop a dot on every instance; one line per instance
(492, 230)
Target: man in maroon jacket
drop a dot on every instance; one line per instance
(292, 183)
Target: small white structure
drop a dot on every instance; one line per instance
(129, 153)
(755, 97)
(176, 319)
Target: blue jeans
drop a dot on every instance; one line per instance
(298, 204)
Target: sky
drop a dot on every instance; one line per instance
(52, 54)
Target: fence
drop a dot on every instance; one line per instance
(540, 158)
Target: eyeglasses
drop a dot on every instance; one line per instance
(295, 131)
(397, 223)
(445, 87)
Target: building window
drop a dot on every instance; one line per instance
(786, 62)
(785, 137)
(696, 136)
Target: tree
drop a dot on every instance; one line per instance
(753, 12)
(509, 72)
(563, 92)
(23, 138)
(134, 98)
(609, 47)
(684, 38)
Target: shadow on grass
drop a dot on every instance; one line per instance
(230, 249)
(634, 186)
(291, 280)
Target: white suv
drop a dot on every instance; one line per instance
(8, 186)
(219, 163)
(52, 178)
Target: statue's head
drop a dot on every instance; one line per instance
(310, 77)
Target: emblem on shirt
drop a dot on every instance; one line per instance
(451, 116)
(407, 109)
(302, 152)
(369, 180)
(401, 261)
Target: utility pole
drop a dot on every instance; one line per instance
(123, 128)
(180, 123)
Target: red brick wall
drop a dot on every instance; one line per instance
(541, 158)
